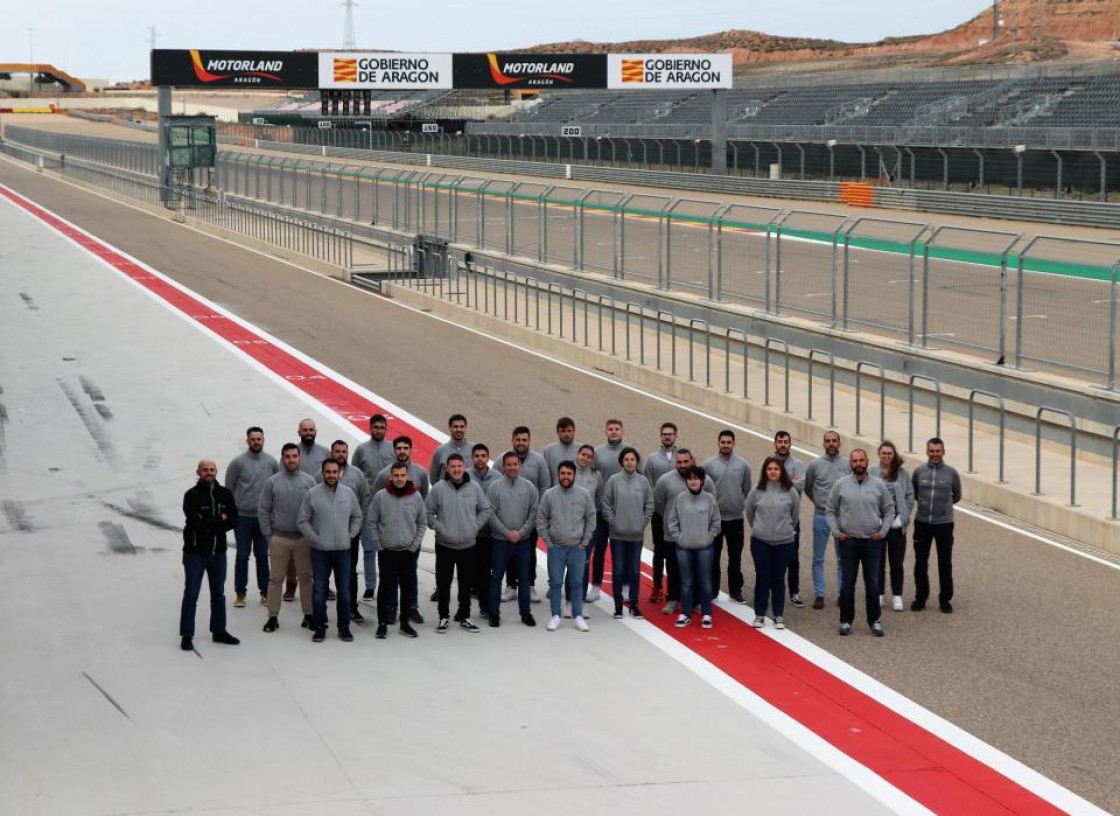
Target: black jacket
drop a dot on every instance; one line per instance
(210, 511)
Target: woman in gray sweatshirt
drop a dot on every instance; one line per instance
(772, 510)
(627, 507)
(694, 522)
(891, 471)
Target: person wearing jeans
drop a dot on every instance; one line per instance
(822, 473)
(772, 509)
(693, 522)
(859, 513)
(210, 512)
(566, 521)
(627, 507)
(246, 476)
(514, 501)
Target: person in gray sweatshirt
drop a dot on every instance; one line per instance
(772, 508)
(732, 477)
(457, 510)
(822, 473)
(354, 479)
(311, 454)
(330, 517)
(937, 487)
(534, 469)
(606, 461)
(396, 522)
(278, 511)
(566, 521)
(245, 476)
(370, 457)
(482, 475)
(627, 507)
(891, 471)
(515, 514)
(665, 492)
(783, 443)
(564, 449)
(457, 443)
(402, 449)
(693, 523)
(859, 513)
(657, 465)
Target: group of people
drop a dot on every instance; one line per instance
(308, 517)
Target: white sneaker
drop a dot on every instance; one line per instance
(533, 596)
(682, 621)
(896, 603)
(508, 594)
(593, 594)
(759, 622)
(581, 624)
(706, 621)
(882, 600)
(779, 623)
(553, 623)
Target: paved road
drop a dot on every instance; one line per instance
(1024, 664)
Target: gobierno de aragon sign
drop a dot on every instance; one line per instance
(366, 70)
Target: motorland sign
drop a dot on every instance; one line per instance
(355, 70)
(661, 71)
(202, 68)
(516, 71)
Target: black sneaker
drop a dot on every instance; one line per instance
(845, 629)
(460, 617)
(917, 606)
(319, 636)
(946, 607)
(618, 613)
(392, 619)
(469, 625)
(435, 596)
(414, 616)
(795, 600)
(368, 596)
(737, 597)
(271, 625)
(408, 631)
(307, 622)
(224, 637)
(877, 629)
(635, 612)
(382, 630)
(356, 616)
(186, 644)
(528, 619)
(346, 637)
(495, 621)
(442, 627)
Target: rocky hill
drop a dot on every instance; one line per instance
(1029, 31)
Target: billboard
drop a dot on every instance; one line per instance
(530, 70)
(366, 70)
(668, 71)
(200, 68)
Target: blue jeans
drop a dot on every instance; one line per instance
(503, 550)
(322, 563)
(626, 559)
(820, 544)
(250, 539)
(369, 561)
(214, 568)
(572, 560)
(854, 553)
(696, 568)
(770, 565)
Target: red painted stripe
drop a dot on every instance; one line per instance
(924, 766)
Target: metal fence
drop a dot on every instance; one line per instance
(946, 288)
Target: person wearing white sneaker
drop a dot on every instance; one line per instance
(581, 624)
(665, 492)
(895, 476)
(772, 509)
(553, 623)
(566, 522)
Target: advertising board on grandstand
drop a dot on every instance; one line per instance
(200, 68)
(661, 71)
(361, 70)
(530, 71)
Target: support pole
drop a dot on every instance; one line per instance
(163, 106)
(719, 132)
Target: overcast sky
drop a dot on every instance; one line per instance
(111, 40)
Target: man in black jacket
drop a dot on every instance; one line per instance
(210, 513)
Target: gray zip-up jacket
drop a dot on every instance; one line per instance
(658, 464)
(822, 473)
(311, 459)
(591, 480)
(416, 474)
(796, 470)
(606, 458)
(902, 492)
(396, 520)
(937, 489)
(246, 475)
(556, 453)
(456, 512)
(667, 489)
(281, 498)
(693, 520)
(732, 476)
(773, 514)
(372, 457)
(535, 469)
(436, 467)
(859, 509)
(566, 517)
(330, 518)
(627, 505)
(354, 479)
(515, 506)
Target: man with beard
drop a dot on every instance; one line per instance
(565, 448)
(356, 481)
(210, 513)
(402, 449)
(656, 466)
(822, 473)
(566, 520)
(311, 458)
(732, 476)
(606, 462)
(246, 476)
(665, 492)
(783, 442)
(278, 511)
(859, 512)
(514, 500)
(457, 428)
(396, 523)
(535, 470)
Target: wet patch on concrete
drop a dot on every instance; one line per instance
(17, 517)
(93, 423)
(117, 538)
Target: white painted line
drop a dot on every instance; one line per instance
(1029, 317)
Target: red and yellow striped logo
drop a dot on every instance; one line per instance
(633, 70)
(345, 70)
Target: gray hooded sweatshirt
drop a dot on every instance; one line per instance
(732, 476)
(667, 489)
(859, 508)
(627, 505)
(281, 498)
(330, 518)
(396, 520)
(773, 513)
(515, 506)
(456, 512)
(822, 473)
(246, 476)
(693, 521)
